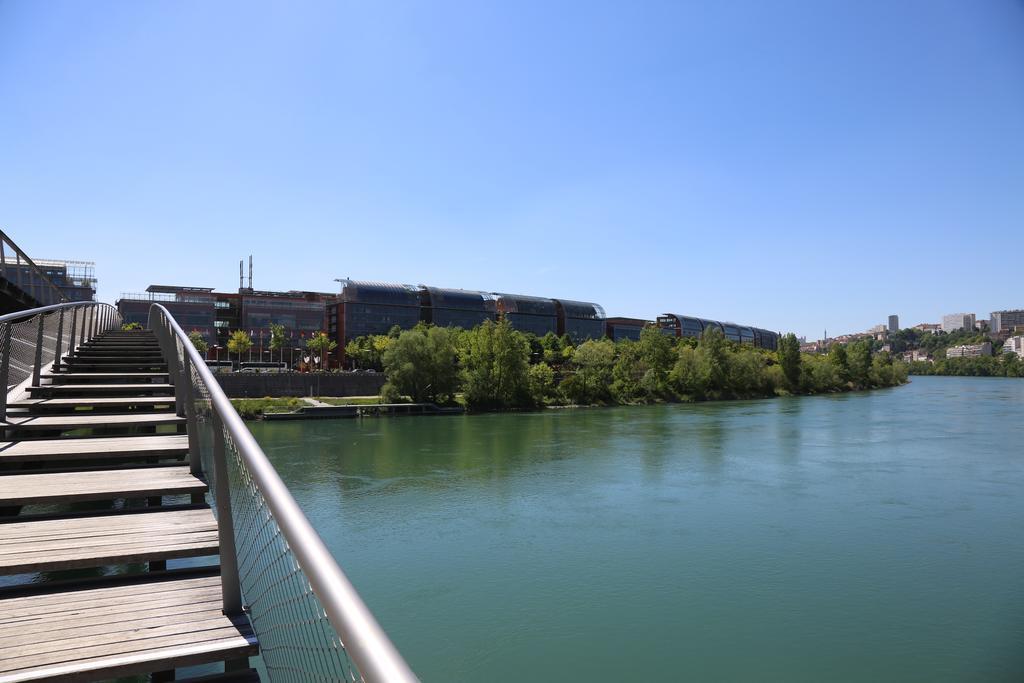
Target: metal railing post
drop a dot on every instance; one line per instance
(5, 369)
(74, 322)
(179, 398)
(37, 363)
(231, 590)
(172, 376)
(81, 329)
(194, 462)
(60, 340)
(17, 256)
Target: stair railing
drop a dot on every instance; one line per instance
(39, 338)
(18, 269)
(310, 621)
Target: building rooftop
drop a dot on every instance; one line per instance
(174, 289)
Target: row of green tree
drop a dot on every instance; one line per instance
(239, 343)
(496, 367)
(1000, 365)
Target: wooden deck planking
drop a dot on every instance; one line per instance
(29, 489)
(117, 633)
(98, 401)
(101, 375)
(94, 447)
(49, 545)
(80, 388)
(141, 624)
(93, 421)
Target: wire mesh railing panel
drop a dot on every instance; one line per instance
(298, 602)
(31, 341)
(297, 640)
(21, 350)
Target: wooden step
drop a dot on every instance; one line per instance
(111, 350)
(96, 448)
(152, 345)
(64, 487)
(78, 389)
(116, 539)
(36, 405)
(120, 342)
(124, 335)
(91, 421)
(127, 366)
(118, 357)
(131, 628)
(102, 377)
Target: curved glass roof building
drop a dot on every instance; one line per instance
(580, 319)
(374, 308)
(457, 307)
(686, 326)
(528, 313)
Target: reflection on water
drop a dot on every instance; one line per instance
(867, 536)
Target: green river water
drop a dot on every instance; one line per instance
(875, 536)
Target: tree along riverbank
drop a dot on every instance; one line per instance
(495, 367)
(1003, 365)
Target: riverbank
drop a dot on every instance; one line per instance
(255, 408)
(365, 406)
(495, 368)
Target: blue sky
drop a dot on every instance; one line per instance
(793, 165)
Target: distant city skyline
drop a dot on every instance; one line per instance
(795, 166)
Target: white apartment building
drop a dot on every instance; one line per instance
(1015, 345)
(957, 321)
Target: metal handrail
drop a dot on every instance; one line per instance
(362, 637)
(55, 293)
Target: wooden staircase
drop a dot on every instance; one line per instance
(94, 477)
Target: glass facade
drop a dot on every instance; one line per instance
(625, 328)
(580, 320)
(690, 327)
(458, 307)
(684, 326)
(297, 315)
(528, 313)
(365, 319)
(193, 316)
(374, 308)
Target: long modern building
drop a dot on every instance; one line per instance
(529, 313)
(364, 308)
(76, 279)
(456, 307)
(216, 315)
(193, 307)
(678, 325)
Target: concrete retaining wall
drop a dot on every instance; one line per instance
(252, 385)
